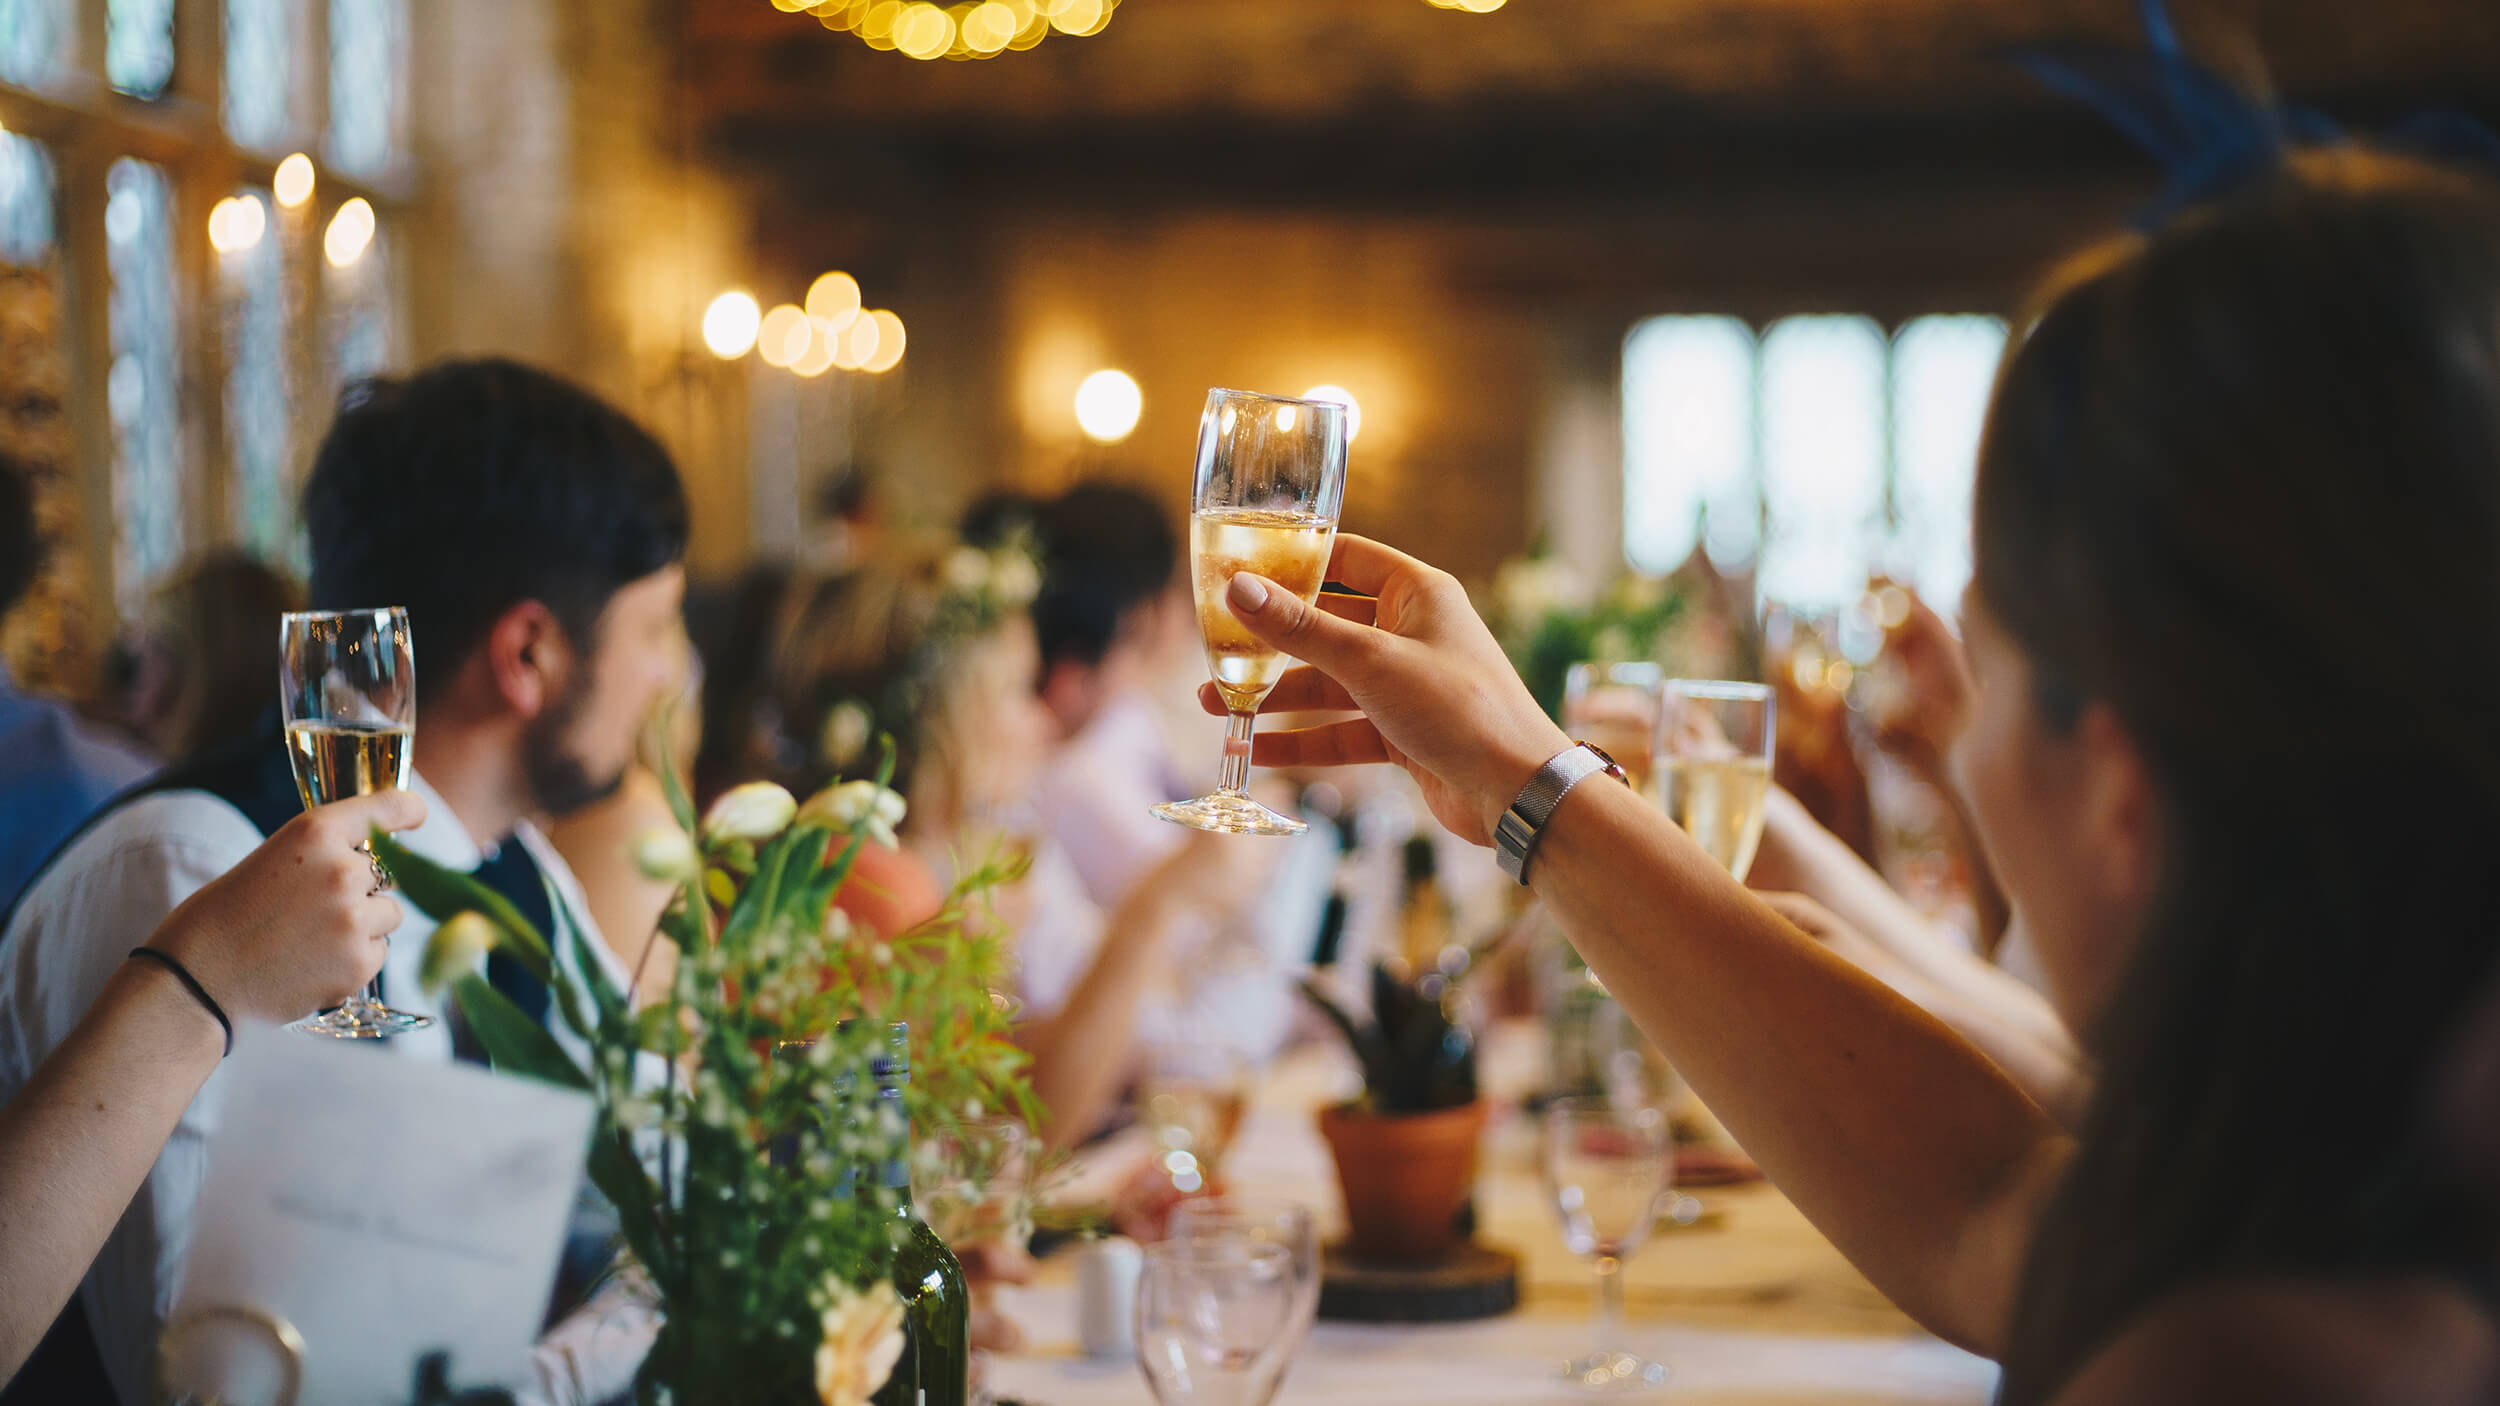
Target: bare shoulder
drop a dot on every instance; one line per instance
(2417, 1341)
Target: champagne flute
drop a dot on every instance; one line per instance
(1607, 1167)
(1615, 706)
(1215, 1321)
(347, 682)
(1270, 478)
(1714, 764)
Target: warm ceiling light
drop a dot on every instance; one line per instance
(889, 352)
(1344, 397)
(783, 336)
(964, 29)
(988, 27)
(821, 349)
(924, 31)
(833, 300)
(1107, 406)
(236, 223)
(730, 324)
(350, 233)
(856, 345)
(294, 182)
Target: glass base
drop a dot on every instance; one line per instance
(1231, 813)
(360, 1019)
(1615, 1372)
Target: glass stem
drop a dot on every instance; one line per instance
(1237, 730)
(1609, 1305)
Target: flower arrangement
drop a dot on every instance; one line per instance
(1549, 617)
(738, 1167)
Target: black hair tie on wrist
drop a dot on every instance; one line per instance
(183, 974)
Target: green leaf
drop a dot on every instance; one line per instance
(514, 1043)
(440, 893)
(620, 1177)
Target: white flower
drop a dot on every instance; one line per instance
(845, 734)
(863, 1340)
(967, 571)
(456, 947)
(1016, 580)
(756, 811)
(665, 853)
(855, 805)
(837, 926)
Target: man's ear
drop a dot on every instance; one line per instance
(528, 658)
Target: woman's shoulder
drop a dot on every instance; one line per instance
(2416, 1340)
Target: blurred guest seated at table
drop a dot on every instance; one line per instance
(296, 926)
(2238, 501)
(936, 650)
(534, 535)
(730, 625)
(55, 769)
(206, 650)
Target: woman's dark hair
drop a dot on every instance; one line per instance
(2240, 484)
(472, 486)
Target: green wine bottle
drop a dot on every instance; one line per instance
(936, 1368)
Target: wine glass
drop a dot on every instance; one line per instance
(347, 683)
(1215, 1321)
(1615, 707)
(1714, 764)
(972, 1184)
(1270, 477)
(1193, 1097)
(1607, 1167)
(1265, 1222)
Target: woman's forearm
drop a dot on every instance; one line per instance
(1904, 1144)
(1082, 1052)
(78, 1140)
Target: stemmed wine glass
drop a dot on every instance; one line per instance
(1270, 478)
(1215, 1320)
(1607, 1168)
(347, 682)
(1193, 1097)
(1262, 1222)
(1714, 764)
(1615, 706)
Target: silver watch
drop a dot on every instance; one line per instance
(1515, 836)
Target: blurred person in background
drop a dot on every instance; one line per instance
(730, 629)
(55, 770)
(203, 664)
(935, 650)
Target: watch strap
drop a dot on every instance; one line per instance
(1516, 834)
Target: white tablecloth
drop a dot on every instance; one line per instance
(1750, 1307)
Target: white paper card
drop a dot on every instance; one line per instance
(385, 1208)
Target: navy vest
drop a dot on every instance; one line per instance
(254, 776)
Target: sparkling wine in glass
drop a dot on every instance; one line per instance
(1607, 1168)
(1714, 764)
(1214, 1318)
(1270, 478)
(1614, 706)
(347, 683)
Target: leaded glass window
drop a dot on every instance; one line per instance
(1942, 371)
(259, 53)
(25, 200)
(139, 46)
(34, 36)
(368, 47)
(1688, 442)
(364, 333)
(257, 401)
(1823, 456)
(141, 390)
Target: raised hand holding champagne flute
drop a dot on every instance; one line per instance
(1270, 480)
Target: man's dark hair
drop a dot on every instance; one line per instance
(1106, 549)
(21, 547)
(471, 486)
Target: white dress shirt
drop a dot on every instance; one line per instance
(104, 896)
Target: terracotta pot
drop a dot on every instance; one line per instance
(1404, 1177)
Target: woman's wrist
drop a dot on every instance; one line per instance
(152, 994)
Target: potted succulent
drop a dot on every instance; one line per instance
(1406, 1149)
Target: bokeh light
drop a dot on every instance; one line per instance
(293, 184)
(784, 336)
(1344, 397)
(1107, 406)
(730, 324)
(236, 223)
(889, 349)
(833, 300)
(350, 233)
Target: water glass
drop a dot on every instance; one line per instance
(1215, 1321)
(1280, 1223)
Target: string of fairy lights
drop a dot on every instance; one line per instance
(984, 29)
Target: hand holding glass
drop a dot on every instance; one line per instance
(347, 686)
(1270, 478)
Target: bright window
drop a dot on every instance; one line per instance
(147, 468)
(139, 46)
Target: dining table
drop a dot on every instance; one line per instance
(1746, 1304)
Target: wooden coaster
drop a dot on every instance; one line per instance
(1471, 1281)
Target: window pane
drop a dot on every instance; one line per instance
(1688, 442)
(25, 200)
(1823, 450)
(147, 470)
(364, 331)
(256, 388)
(368, 56)
(139, 46)
(33, 37)
(1942, 369)
(259, 54)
